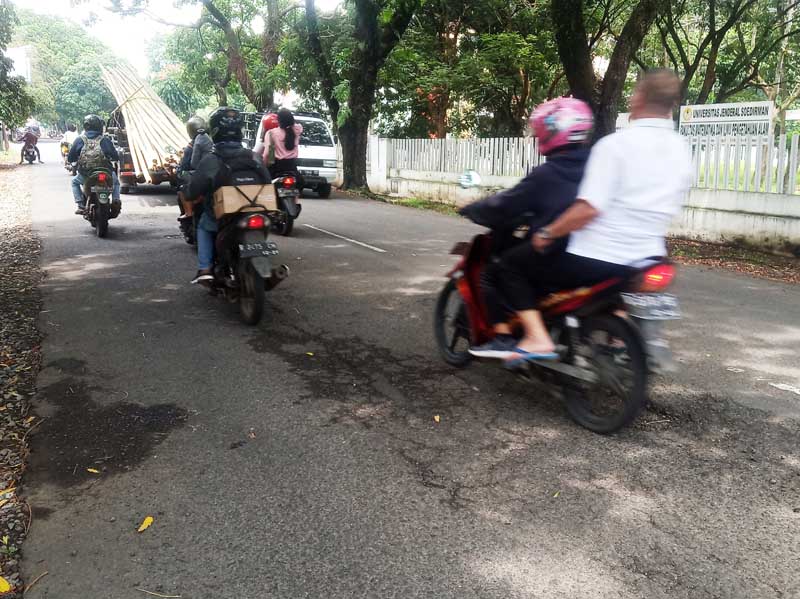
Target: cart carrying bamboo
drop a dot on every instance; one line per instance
(149, 133)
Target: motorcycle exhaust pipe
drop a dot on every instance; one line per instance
(279, 274)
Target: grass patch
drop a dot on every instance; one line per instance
(418, 203)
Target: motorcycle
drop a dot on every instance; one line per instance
(97, 195)
(608, 336)
(64, 153)
(29, 153)
(287, 189)
(244, 269)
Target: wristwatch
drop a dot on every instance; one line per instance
(544, 233)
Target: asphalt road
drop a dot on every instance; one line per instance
(301, 458)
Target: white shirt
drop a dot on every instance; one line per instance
(70, 137)
(637, 179)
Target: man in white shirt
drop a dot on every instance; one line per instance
(70, 135)
(635, 182)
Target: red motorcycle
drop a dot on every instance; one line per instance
(608, 336)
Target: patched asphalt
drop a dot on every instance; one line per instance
(301, 458)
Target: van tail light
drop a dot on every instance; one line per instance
(289, 181)
(657, 278)
(102, 177)
(257, 221)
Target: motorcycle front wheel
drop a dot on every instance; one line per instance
(451, 326)
(251, 294)
(611, 348)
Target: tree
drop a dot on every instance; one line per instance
(58, 46)
(569, 19)
(377, 28)
(81, 91)
(15, 101)
(226, 29)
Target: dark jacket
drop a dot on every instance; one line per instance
(228, 160)
(537, 200)
(185, 165)
(105, 144)
(202, 147)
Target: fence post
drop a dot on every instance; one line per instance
(793, 165)
(780, 183)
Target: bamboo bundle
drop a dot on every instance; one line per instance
(155, 133)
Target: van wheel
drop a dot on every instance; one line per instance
(324, 191)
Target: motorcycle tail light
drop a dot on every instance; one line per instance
(101, 177)
(257, 221)
(657, 278)
(289, 181)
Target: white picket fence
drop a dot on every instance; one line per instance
(749, 164)
(500, 157)
(760, 164)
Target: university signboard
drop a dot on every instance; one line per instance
(720, 120)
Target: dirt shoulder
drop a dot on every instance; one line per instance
(740, 259)
(19, 364)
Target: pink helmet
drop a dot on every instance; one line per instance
(561, 122)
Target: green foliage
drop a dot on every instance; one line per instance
(15, 100)
(183, 102)
(67, 83)
(81, 91)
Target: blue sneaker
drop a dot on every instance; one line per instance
(501, 347)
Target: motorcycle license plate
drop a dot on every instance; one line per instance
(652, 306)
(255, 249)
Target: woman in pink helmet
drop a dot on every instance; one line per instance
(563, 128)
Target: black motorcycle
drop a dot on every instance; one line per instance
(97, 196)
(30, 153)
(244, 269)
(287, 189)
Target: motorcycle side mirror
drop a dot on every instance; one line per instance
(470, 179)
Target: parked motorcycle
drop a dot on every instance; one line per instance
(97, 195)
(287, 189)
(244, 269)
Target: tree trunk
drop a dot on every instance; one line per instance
(630, 39)
(327, 80)
(353, 136)
(573, 47)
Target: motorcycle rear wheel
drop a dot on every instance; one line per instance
(451, 325)
(101, 220)
(286, 227)
(251, 295)
(613, 349)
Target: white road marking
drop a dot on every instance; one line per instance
(785, 387)
(361, 243)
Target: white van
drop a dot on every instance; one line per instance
(317, 152)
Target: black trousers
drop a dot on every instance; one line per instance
(527, 276)
(282, 167)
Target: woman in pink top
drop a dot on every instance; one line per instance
(285, 139)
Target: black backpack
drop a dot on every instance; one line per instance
(241, 168)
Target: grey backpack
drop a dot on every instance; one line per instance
(92, 157)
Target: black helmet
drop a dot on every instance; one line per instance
(92, 122)
(226, 124)
(194, 126)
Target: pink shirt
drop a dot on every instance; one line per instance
(277, 139)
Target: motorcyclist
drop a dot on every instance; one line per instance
(563, 127)
(70, 135)
(92, 150)
(199, 146)
(214, 171)
(635, 183)
(30, 139)
(284, 141)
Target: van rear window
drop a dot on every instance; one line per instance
(315, 134)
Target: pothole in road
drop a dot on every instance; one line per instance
(82, 434)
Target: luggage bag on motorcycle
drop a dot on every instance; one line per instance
(231, 199)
